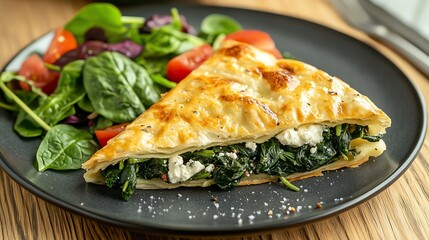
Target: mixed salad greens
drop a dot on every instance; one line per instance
(99, 73)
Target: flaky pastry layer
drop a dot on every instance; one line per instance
(240, 94)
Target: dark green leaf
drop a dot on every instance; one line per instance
(24, 125)
(215, 24)
(229, 172)
(269, 157)
(57, 106)
(343, 139)
(65, 148)
(100, 122)
(118, 88)
(128, 180)
(111, 176)
(153, 168)
(373, 138)
(85, 104)
(358, 131)
(102, 15)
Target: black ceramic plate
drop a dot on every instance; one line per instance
(252, 208)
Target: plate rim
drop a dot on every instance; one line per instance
(260, 227)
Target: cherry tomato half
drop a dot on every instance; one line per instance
(62, 42)
(256, 38)
(180, 67)
(106, 134)
(34, 70)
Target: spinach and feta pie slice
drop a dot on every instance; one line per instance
(243, 117)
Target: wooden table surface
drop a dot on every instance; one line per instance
(400, 212)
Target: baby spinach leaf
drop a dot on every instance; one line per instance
(65, 148)
(24, 125)
(68, 92)
(103, 15)
(57, 106)
(100, 122)
(217, 24)
(119, 89)
(85, 104)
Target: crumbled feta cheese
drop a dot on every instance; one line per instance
(251, 145)
(311, 134)
(210, 168)
(313, 150)
(231, 155)
(178, 172)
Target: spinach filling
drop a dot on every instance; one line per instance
(270, 157)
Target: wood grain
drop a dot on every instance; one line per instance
(400, 212)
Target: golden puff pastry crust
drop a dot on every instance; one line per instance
(240, 94)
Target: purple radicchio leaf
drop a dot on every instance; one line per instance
(94, 48)
(156, 21)
(73, 119)
(79, 118)
(96, 34)
(127, 48)
(91, 48)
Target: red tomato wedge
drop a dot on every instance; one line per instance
(106, 134)
(62, 42)
(34, 70)
(256, 38)
(180, 67)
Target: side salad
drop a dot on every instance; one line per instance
(102, 70)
